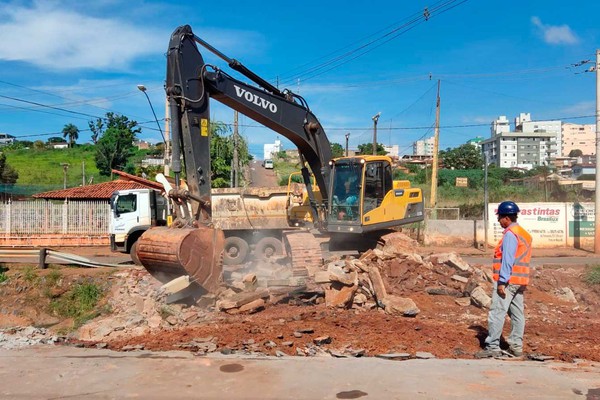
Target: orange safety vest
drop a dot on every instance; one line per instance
(520, 269)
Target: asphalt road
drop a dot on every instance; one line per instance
(55, 372)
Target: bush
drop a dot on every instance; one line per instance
(78, 303)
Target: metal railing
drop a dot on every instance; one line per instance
(43, 217)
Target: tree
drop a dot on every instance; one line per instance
(337, 150)
(575, 153)
(115, 146)
(97, 128)
(221, 154)
(466, 156)
(367, 149)
(56, 139)
(39, 145)
(72, 132)
(7, 173)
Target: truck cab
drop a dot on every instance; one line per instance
(133, 211)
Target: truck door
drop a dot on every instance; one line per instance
(125, 214)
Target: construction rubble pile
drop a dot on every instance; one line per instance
(382, 279)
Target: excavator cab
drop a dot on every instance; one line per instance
(364, 197)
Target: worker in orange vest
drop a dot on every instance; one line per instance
(511, 277)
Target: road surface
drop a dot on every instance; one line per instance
(57, 372)
(261, 177)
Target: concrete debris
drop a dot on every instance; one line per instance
(394, 356)
(383, 278)
(15, 338)
(403, 306)
(480, 298)
(565, 294)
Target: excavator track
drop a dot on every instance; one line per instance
(305, 252)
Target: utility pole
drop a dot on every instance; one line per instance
(65, 168)
(375, 119)
(347, 138)
(597, 187)
(167, 138)
(436, 145)
(486, 217)
(236, 172)
(83, 173)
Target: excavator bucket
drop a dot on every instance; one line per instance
(169, 253)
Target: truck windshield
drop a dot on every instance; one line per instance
(126, 203)
(345, 202)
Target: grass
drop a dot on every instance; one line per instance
(45, 166)
(592, 276)
(30, 274)
(3, 276)
(78, 303)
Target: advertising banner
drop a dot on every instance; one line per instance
(581, 224)
(546, 222)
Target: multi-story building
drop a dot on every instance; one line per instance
(424, 147)
(519, 149)
(523, 123)
(270, 149)
(476, 142)
(392, 150)
(578, 137)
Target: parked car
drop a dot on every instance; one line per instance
(268, 164)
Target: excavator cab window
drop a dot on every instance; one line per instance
(378, 181)
(345, 201)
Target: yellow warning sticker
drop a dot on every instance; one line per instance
(204, 127)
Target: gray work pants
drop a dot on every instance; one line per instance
(513, 305)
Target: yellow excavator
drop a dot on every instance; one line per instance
(348, 198)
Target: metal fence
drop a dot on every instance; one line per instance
(44, 217)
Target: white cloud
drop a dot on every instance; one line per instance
(50, 36)
(555, 34)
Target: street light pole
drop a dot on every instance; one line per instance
(347, 138)
(375, 119)
(142, 89)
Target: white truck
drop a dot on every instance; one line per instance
(253, 219)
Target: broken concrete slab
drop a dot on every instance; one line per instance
(403, 306)
(480, 298)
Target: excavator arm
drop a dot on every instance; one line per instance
(191, 246)
(191, 84)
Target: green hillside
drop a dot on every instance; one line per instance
(42, 170)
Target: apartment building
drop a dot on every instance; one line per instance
(578, 137)
(528, 146)
(424, 147)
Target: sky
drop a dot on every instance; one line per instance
(69, 62)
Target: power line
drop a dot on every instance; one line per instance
(373, 44)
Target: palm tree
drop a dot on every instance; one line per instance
(72, 132)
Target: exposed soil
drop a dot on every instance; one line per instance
(559, 324)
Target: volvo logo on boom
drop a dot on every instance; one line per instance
(255, 99)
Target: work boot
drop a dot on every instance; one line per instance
(488, 353)
(516, 352)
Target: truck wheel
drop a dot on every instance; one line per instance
(133, 253)
(236, 250)
(268, 247)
